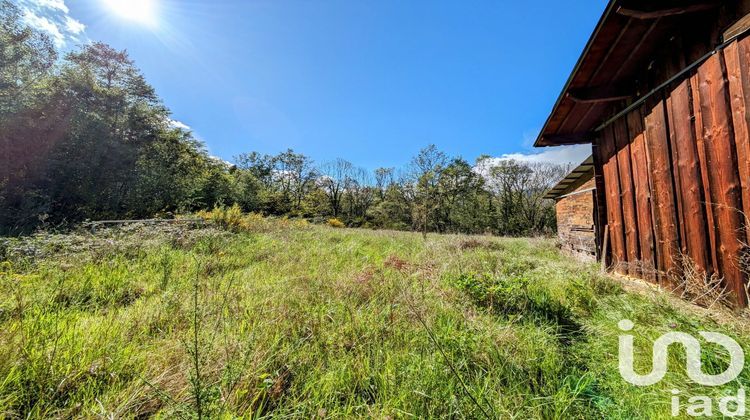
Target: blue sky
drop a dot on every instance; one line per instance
(368, 81)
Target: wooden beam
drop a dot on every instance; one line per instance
(737, 28)
(688, 179)
(561, 139)
(726, 195)
(663, 199)
(642, 191)
(597, 94)
(614, 201)
(639, 13)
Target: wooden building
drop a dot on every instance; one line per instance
(575, 197)
(661, 92)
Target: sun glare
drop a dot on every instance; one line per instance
(141, 11)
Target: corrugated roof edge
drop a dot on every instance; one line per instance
(577, 177)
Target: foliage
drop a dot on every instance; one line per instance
(88, 138)
(335, 223)
(233, 219)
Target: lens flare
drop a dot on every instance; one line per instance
(140, 11)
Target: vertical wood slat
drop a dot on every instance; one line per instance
(704, 168)
(665, 223)
(625, 171)
(737, 58)
(601, 201)
(673, 67)
(689, 182)
(721, 157)
(614, 207)
(679, 214)
(642, 191)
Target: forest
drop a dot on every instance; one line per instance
(85, 137)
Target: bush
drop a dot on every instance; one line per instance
(233, 219)
(335, 223)
(227, 218)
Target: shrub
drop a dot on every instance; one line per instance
(235, 220)
(335, 223)
(228, 218)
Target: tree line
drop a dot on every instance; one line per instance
(84, 136)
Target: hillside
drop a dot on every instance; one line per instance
(290, 320)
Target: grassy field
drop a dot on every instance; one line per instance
(286, 320)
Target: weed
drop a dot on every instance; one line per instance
(234, 220)
(335, 223)
(396, 263)
(474, 243)
(194, 350)
(166, 263)
(696, 286)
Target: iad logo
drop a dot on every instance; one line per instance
(701, 405)
(693, 355)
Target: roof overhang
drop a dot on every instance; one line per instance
(577, 177)
(624, 40)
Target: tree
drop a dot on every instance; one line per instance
(170, 175)
(425, 173)
(29, 124)
(517, 190)
(26, 59)
(248, 190)
(334, 178)
(217, 186)
(383, 180)
(89, 138)
(394, 210)
(295, 174)
(359, 194)
(459, 191)
(115, 117)
(259, 166)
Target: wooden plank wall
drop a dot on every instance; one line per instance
(676, 174)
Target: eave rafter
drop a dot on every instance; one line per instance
(646, 10)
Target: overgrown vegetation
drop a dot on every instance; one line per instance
(86, 137)
(233, 219)
(285, 320)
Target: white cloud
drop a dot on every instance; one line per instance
(53, 18)
(74, 26)
(43, 24)
(221, 161)
(52, 4)
(179, 124)
(563, 155)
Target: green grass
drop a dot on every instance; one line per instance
(302, 322)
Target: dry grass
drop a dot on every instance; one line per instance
(700, 288)
(688, 281)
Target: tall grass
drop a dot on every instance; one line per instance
(291, 321)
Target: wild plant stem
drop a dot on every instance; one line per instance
(196, 355)
(448, 361)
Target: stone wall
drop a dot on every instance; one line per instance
(575, 222)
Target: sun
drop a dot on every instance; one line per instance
(140, 11)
